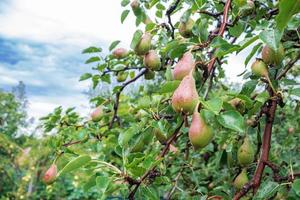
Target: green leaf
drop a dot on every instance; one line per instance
(125, 2)
(90, 183)
(214, 105)
(92, 50)
(266, 191)
(114, 44)
(252, 53)
(74, 164)
(124, 15)
(85, 76)
(271, 37)
(232, 120)
(102, 183)
(296, 186)
(92, 59)
(169, 86)
(248, 87)
(136, 38)
(296, 91)
(124, 137)
(287, 8)
(223, 47)
(247, 42)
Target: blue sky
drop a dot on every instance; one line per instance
(41, 43)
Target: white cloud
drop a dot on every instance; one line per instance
(77, 22)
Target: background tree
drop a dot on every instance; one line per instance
(185, 133)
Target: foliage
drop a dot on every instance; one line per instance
(140, 146)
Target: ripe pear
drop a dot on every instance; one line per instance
(259, 68)
(96, 115)
(185, 97)
(200, 133)
(122, 76)
(185, 28)
(184, 66)
(241, 180)
(149, 75)
(152, 60)
(245, 153)
(120, 53)
(50, 175)
(144, 44)
(270, 56)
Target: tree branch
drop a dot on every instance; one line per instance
(161, 155)
(288, 67)
(116, 104)
(168, 14)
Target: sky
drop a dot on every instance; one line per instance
(41, 43)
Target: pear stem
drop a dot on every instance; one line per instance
(270, 84)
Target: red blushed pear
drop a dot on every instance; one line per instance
(152, 60)
(200, 133)
(120, 53)
(50, 175)
(97, 114)
(184, 66)
(185, 97)
(144, 44)
(270, 56)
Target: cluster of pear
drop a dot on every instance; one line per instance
(270, 57)
(185, 100)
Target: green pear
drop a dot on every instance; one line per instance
(270, 56)
(152, 60)
(159, 135)
(97, 114)
(185, 97)
(185, 65)
(144, 44)
(200, 133)
(120, 53)
(238, 104)
(122, 76)
(259, 68)
(245, 153)
(241, 180)
(185, 28)
(149, 75)
(50, 175)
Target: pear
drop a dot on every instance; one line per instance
(270, 56)
(184, 66)
(135, 4)
(122, 76)
(185, 97)
(120, 53)
(185, 28)
(50, 175)
(152, 60)
(200, 133)
(259, 68)
(238, 104)
(160, 136)
(149, 75)
(245, 153)
(144, 44)
(97, 114)
(241, 180)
